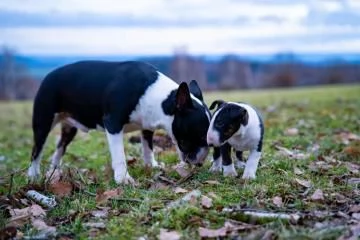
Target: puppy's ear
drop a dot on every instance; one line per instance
(240, 114)
(244, 117)
(195, 90)
(217, 103)
(183, 99)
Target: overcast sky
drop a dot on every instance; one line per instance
(137, 27)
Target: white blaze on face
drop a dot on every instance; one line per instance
(213, 136)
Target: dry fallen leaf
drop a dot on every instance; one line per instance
(103, 197)
(277, 201)
(318, 195)
(206, 202)
(298, 171)
(34, 210)
(41, 226)
(168, 235)
(303, 183)
(346, 137)
(158, 185)
(292, 154)
(61, 189)
(180, 190)
(229, 226)
(131, 161)
(212, 182)
(94, 225)
(181, 170)
(212, 233)
(102, 213)
(291, 132)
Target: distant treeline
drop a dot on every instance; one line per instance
(228, 72)
(232, 72)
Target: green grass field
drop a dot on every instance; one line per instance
(311, 146)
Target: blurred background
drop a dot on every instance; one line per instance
(227, 44)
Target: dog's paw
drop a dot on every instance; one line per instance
(248, 175)
(124, 178)
(215, 167)
(33, 172)
(229, 171)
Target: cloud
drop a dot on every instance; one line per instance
(156, 27)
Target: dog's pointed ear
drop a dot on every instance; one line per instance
(183, 99)
(195, 90)
(217, 103)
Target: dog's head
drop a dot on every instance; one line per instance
(190, 123)
(226, 121)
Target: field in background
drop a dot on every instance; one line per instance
(310, 167)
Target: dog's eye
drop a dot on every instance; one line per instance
(220, 124)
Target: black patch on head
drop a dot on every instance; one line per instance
(219, 103)
(195, 90)
(228, 120)
(190, 123)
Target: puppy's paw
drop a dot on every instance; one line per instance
(240, 164)
(229, 171)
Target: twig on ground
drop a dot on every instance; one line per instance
(11, 183)
(186, 178)
(128, 199)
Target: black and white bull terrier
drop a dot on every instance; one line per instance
(238, 126)
(119, 97)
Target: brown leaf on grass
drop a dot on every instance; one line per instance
(8, 233)
(292, 154)
(94, 225)
(182, 171)
(346, 137)
(298, 171)
(277, 201)
(212, 233)
(229, 226)
(206, 202)
(131, 161)
(180, 190)
(318, 196)
(354, 208)
(212, 182)
(101, 213)
(61, 189)
(356, 216)
(34, 211)
(41, 226)
(103, 197)
(158, 185)
(303, 183)
(354, 181)
(168, 235)
(291, 132)
(352, 151)
(352, 167)
(53, 176)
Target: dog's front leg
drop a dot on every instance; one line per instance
(251, 165)
(116, 145)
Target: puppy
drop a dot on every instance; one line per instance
(238, 126)
(119, 97)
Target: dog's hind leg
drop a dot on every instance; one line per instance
(42, 123)
(67, 135)
(147, 148)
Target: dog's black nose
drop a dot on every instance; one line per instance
(199, 164)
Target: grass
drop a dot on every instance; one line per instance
(319, 114)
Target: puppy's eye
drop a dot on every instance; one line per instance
(220, 124)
